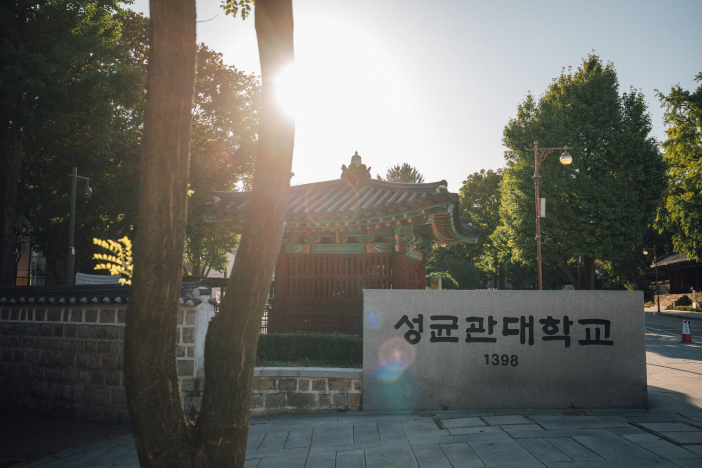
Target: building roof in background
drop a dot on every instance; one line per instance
(342, 203)
(671, 258)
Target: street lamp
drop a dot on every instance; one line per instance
(655, 262)
(539, 156)
(86, 192)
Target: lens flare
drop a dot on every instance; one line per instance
(373, 319)
(395, 356)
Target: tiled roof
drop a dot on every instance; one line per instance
(88, 293)
(672, 257)
(338, 200)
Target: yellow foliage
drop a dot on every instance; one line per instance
(119, 264)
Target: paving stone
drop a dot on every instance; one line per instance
(294, 461)
(273, 441)
(670, 427)
(572, 422)
(543, 451)
(301, 437)
(282, 453)
(431, 456)
(659, 446)
(365, 434)
(351, 459)
(695, 449)
(322, 459)
(332, 435)
(512, 419)
(391, 431)
(573, 449)
(645, 463)
(526, 434)
(421, 428)
(252, 463)
(390, 456)
(621, 431)
(475, 430)
(685, 437)
(503, 453)
(461, 456)
(613, 447)
(521, 427)
(451, 439)
(462, 422)
(688, 462)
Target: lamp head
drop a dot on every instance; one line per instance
(645, 252)
(566, 158)
(87, 191)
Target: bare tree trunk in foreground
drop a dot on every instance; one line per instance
(163, 437)
(232, 338)
(151, 380)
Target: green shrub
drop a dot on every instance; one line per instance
(314, 348)
(649, 304)
(685, 308)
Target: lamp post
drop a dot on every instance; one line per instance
(655, 262)
(539, 156)
(71, 255)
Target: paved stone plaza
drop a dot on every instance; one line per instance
(668, 435)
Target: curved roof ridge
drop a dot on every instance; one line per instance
(405, 185)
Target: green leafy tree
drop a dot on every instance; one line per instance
(683, 153)
(600, 206)
(60, 72)
(225, 118)
(403, 173)
(480, 200)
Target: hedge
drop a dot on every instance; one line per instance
(283, 347)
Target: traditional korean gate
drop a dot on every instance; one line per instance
(323, 293)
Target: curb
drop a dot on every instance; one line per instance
(666, 314)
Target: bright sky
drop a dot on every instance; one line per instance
(434, 83)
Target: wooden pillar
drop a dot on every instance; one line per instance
(281, 293)
(400, 264)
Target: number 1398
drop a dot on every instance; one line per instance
(505, 360)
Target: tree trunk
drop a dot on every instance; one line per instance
(589, 267)
(151, 380)
(501, 276)
(232, 338)
(9, 181)
(219, 438)
(565, 272)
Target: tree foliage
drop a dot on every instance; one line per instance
(683, 153)
(62, 83)
(225, 111)
(403, 173)
(600, 206)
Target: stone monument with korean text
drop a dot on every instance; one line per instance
(432, 350)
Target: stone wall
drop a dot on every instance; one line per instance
(291, 390)
(69, 360)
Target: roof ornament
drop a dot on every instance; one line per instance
(356, 170)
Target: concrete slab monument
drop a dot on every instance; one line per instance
(432, 350)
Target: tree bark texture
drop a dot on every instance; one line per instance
(151, 380)
(232, 338)
(11, 165)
